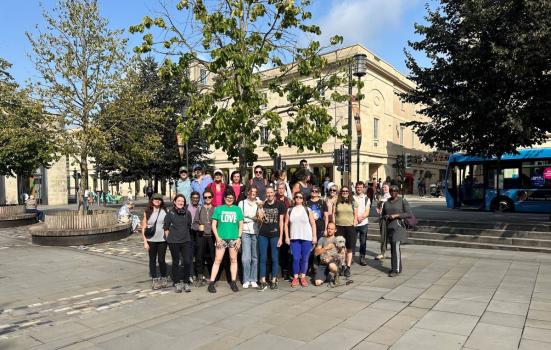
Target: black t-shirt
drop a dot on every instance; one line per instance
(270, 226)
(318, 208)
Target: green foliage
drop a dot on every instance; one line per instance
(488, 90)
(140, 127)
(79, 60)
(27, 135)
(233, 41)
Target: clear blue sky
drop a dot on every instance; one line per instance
(382, 26)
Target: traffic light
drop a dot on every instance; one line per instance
(345, 158)
(407, 161)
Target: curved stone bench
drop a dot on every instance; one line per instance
(68, 228)
(15, 215)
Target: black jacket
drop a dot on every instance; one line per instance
(178, 222)
(396, 230)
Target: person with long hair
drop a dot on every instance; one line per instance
(282, 179)
(239, 190)
(395, 209)
(249, 242)
(302, 184)
(218, 188)
(346, 216)
(227, 227)
(177, 226)
(330, 201)
(300, 234)
(154, 216)
(204, 253)
(381, 199)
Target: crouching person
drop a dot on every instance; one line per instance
(328, 256)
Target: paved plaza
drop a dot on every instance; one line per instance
(99, 297)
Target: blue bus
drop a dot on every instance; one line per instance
(523, 182)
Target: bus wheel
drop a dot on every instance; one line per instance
(503, 204)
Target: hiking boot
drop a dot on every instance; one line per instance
(155, 284)
(303, 281)
(211, 288)
(262, 286)
(346, 272)
(233, 286)
(363, 260)
(164, 282)
(178, 287)
(274, 285)
(294, 282)
(187, 287)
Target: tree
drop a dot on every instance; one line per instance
(140, 127)
(488, 89)
(27, 134)
(79, 60)
(232, 41)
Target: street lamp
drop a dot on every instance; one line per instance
(357, 68)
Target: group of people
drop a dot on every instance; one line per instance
(270, 225)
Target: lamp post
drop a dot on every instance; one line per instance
(357, 68)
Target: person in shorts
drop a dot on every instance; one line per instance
(345, 213)
(227, 227)
(326, 271)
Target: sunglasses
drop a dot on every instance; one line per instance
(194, 198)
(345, 191)
(299, 197)
(315, 191)
(207, 197)
(258, 172)
(332, 190)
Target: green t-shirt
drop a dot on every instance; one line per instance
(227, 221)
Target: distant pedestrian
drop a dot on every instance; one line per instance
(148, 191)
(31, 206)
(155, 245)
(383, 197)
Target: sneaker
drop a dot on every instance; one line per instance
(347, 271)
(211, 288)
(178, 287)
(303, 281)
(380, 257)
(164, 282)
(233, 286)
(294, 282)
(187, 287)
(363, 261)
(392, 273)
(262, 286)
(246, 285)
(155, 284)
(274, 285)
(254, 285)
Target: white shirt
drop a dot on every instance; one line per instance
(250, 223)
(299, 223)
(362, 201)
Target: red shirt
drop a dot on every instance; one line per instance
(218, 196)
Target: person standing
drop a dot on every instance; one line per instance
(204, 253)
(345, 215)
(182, 185)
(227, 227)
(31, 206)
(260, 182)
(249, 246)
(270, 234)
(300, 234)
(218, 188)
(318, 208)
(394, 210)
(302, 184)
(201, 181)
(281, 195)
(384, 238)
(177, 226)
(363, 205)
(282, 179)
(154, 216)
(330, 202)
(284, 250)
(239, 190)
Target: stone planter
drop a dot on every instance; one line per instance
(66, 228)
(15, 215)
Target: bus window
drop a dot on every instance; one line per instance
(534, 174)
(508, 179)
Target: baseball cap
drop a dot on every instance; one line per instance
(157, 196)
(182, 169)
(197, 167)
(218, 171)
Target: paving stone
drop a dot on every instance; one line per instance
(385, 304)
(541, 306)
(470, 293)
(386, 335)
(448, 322)
(527, 344)
(488, 336)
(270, 342)
(21, 342)
(539, 315)
(417, 338)
(467, 307)
(223, 343)
(424, 303)
(142, 338)
(336, 338)
(538, 323)
(538, 334)
(512, 297)
(367, 345)
(296, 329)
(508, 307)
(404, 293)
(500, 319)
(368, 319)
(198, 338)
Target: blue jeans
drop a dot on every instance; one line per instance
(300, 249)
(362, 235)
(263, 243)
(249, 257)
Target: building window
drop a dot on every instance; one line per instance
(375, 128)
(203, 76)
(264, 104)
(263, 135)
(402, 106)
(402, 129)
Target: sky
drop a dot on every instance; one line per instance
(382, 26)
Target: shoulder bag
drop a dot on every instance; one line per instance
(150, 231)
(411, 222)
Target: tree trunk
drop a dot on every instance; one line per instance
(83, 182)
